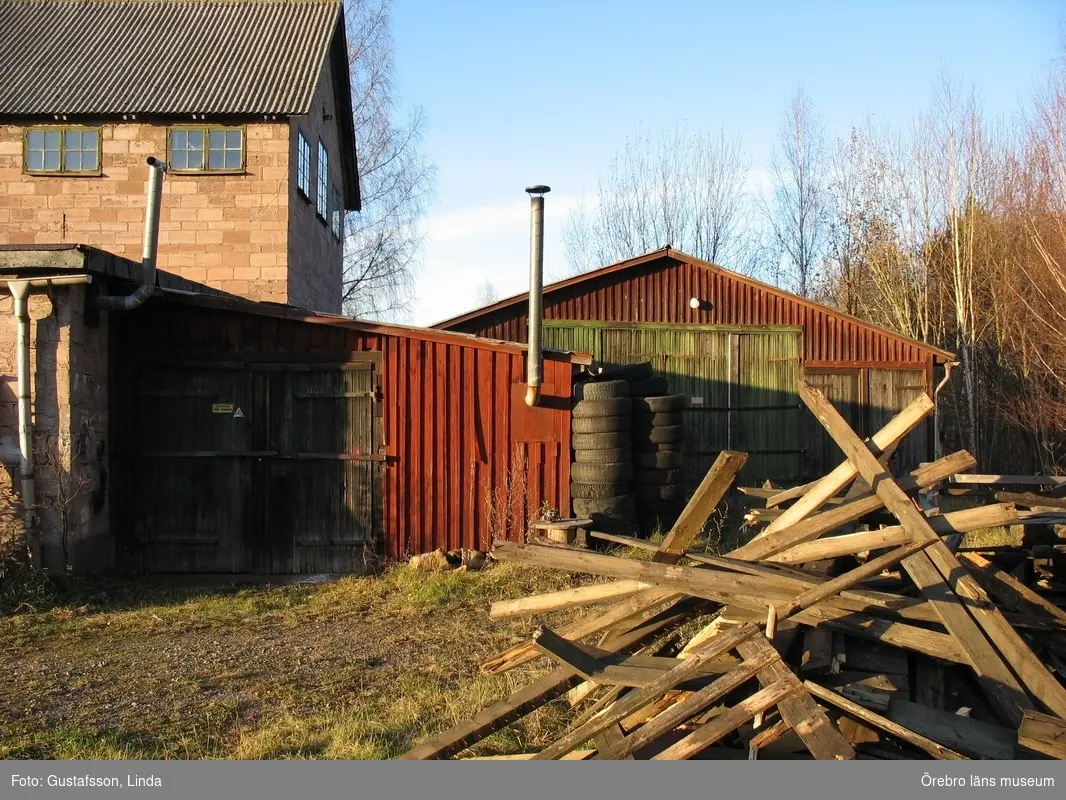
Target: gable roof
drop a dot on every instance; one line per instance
(105, 59)
(668, 255)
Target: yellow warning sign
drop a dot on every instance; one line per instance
(222, 408)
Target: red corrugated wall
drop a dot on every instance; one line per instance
(451, 423)
(659, 291)
(458, 447)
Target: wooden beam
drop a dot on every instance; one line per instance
(964, 735)
(724, 724)
(943, 524)
(995, 677)
(1011, 592)
(799, 711)
(1032, 500)
(818, 524)
(884, 723)
(567, 598)
(1042, 734)
(1008, 480)
(898, 427)
(694, 703)
(641, 697)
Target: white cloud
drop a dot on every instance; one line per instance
(467, 247)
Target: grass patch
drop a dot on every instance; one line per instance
(358, 668)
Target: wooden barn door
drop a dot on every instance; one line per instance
(269, 469)
(322, 485)
(844, 388)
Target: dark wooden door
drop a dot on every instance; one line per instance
(269, 470)
(843, 388)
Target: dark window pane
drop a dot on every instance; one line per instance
(196, 159)
(233, 139)
(233, 159)
(88, 140)
(72, 159)
(88, 159)
(35, 140)
(196, 140)
(51, 159)
(215, 159)
(51, 140)
(35, 159)
(73, 140)
(179, 159)
(216, 139)
(178, 140)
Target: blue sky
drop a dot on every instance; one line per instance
(546, 92)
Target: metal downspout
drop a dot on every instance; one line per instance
(20, 292)
(937, 449)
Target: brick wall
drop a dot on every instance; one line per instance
(228, 231)
(314, 254)
(69, 365)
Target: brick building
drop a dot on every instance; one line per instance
(248, 101)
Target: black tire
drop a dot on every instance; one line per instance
(610, 506)
(599, 491)
(656, 405)
(584, 409)
(657, 494)
(642, 446)
(619, 472)
(667, 434)
(646, 420)
(601, 390)
(660, 459)
(601, 424)
(602, 441)
(657, 477)
(649, 387)
(609, 456)
(628, 372)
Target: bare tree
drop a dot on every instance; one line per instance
(487, 294)
(672, 188)
(383, 241)
(796, 209)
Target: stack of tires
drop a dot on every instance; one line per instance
(658, 451)
(602, 472)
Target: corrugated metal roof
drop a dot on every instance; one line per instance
(162, 57)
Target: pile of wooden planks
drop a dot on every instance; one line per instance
(812, 640)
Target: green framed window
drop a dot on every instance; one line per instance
(62, 150)
(206, 149)
(322, 193)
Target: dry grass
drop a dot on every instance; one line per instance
(360, 668)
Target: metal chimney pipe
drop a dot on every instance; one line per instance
(156, 170)
(535, 317)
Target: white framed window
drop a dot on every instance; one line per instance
(303, 165)
(336, 212)
(322, 193)
(206, 149)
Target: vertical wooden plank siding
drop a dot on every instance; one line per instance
(660, 292)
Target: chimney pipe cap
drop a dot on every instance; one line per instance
(538, 190)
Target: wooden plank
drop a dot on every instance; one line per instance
(1000, 685)
(910, 737)
(641, 697)
(701, 505)
(694, 703)
(929, 683)
(971, 519)
(1032, 500)
(567, 598)
(799, 711)
(970, 737)
(1043, 734)
(1008, 480)
(898, 427)
(1010, 591)
(724, 724)
(817, 656)
(818, 524)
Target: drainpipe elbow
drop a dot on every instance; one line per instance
(532, 395)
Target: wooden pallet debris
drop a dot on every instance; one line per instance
(852, 624)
